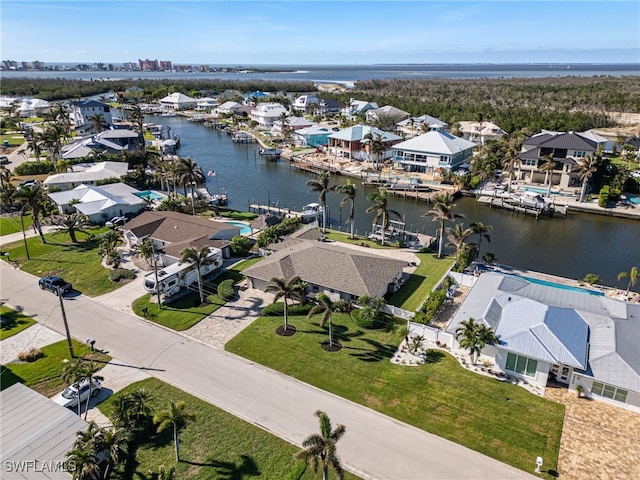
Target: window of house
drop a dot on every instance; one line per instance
(523, 365)
(609, 391)
(445, 159)
(577, 154)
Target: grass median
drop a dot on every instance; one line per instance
(497, 419)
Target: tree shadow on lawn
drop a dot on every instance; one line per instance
(8, 378)
(379, 351)
(341, 333)
(434, 356)
(12, 319)
(246, 467)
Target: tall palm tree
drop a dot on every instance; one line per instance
(349, 191)
(84, 454)
(482, 231)
(73, 373)
(586, 167)
(632, 275)
(191, 173)
(474, 336)
(285, 289)
(509, 162)
(548, 167)
(320, 449)
(284, 122)
(90, 370)
(377, 148)
(72, 224)
(35, 145)
(35, 198)
(381, 210)
(327, 307)
(322, 187)
(115, 443)
(442, 212)
(457, 237)
(199, 258)
(136, 116)
(176, 416)
(97, 121)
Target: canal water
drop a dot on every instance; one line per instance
(572, 247)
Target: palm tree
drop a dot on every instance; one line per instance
(627, 153)
(199, 259)
(191, 173)
(482, 231)
(114, 442)
(377, 148)
(633, 278)
(587, 166)
(349, 191)
(326, 307)
(137, 118)
(98, 123)
(320, 449)
(509, 162)
(381, 209)
(442, 212)
(548, 167)
(474, 336)
(73, 373)
(175, 416)
(35, 145)
(36, 200)
(90, 371)
(133, 410)
(283, 289)
(321, 186)
(284, 122)
(84, 454)
(456, 238)
(146, 250)
(71, 224)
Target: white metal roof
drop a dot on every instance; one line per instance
(435, 142)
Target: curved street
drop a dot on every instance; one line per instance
(374, 447)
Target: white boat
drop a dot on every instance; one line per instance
(311, 212)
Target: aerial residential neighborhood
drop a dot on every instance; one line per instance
(403, 257)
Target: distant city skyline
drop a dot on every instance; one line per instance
(320, 32)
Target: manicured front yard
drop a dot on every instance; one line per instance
(15, 322)
(13, 224)
(359, 240)
(215, 445)
(500, 420)
(79, 263)
(44, 375)
(420, 284)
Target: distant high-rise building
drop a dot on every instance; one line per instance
(26, 65)
(38, 65)
(164, 65)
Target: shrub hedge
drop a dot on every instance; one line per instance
(603, 197)
(277, 309)
(34, 168)
(118, 274)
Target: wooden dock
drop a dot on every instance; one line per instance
(502, 203)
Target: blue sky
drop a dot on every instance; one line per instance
(300, 32)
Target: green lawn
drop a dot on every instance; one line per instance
(500, 420)
(14, 139)
(17, 322)
(186, 311)
(79, 264)
(237, 215)
(359, 240)
(216, 445)
(44, 375)
(12, 224)
(420, 284)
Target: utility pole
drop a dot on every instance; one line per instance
(24, 235)
(66, 325)
(155, 269)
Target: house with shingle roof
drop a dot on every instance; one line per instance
(564, 147)
(352, 142)
(417, 125)
(173, 231)
(480, 132)
(388, 114)
(341, 273)
(432, 152)
(548, 332)
(357, 107)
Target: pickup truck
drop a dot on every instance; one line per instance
(54, 284)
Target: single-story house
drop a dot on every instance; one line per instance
(206, 103)
(228, 108)
(340, 272)
(173, 231)
(432, 151)
(357, 107)
(178, 101)
(416, 125)
(86, 174)
(305, 103)
(313, 136)
(388, 114)
(110, 142)
(32, 107)
(565, 147)
(99, 203)
(352, 142)
(545, 332)
(266, 114)
(37, 434)
(480, 131)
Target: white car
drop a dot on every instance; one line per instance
(116, 222)
(69, 397)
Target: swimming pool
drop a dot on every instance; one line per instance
(633, 199)
(244, 228)
(150, 194)
(543, 191)
(561, 286)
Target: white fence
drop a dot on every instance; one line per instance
(430, 333)
(397, 312)
(463, 279)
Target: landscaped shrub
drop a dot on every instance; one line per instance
(434, 302)
(603, 198)
(376, 321)
(30, 355)
(34, 168)
(118, 274)
(614, 194)
(240, 246)
(421, 317)
(226, 290)
(277, 309)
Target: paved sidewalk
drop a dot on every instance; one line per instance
(36, 335)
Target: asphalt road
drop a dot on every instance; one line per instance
(375, 446)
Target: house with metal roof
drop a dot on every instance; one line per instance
(173, 231)
(82, 111)
(99, 204)
(290, 124)
(551, 332)
(565, 148)
(86, 174)
(312, 136)
(228, 108)
(340, 272)
(305, 103)
(178, 101)
(266, 114)
(36, 435)
(353, 143)
(480, 132)
(109, 142)
(386, 116)
(413, 126)
(357, 107)
(432, 152)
